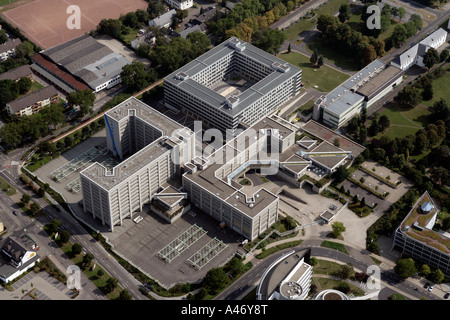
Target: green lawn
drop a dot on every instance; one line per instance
(9, 190)
(334, 245)
(342, 61)
(5, 2)
(331, 7)
(294, 31)
(325, 78)
(326, 283)
(405, 122)
(440, 89)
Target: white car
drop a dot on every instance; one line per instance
(430, 288)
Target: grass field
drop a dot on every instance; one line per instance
(326, 283)
(345, 62)
(325, 78)
(6, 2)
(406, 122)
(296, 29)
(334, 245)
(440, 89)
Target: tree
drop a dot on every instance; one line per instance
(417, 19)
(289, 48)
(82, 98)
(87, 259)
(440, 175)
(24, 85)
(399, 35)
(440, 110)
(410, 28)
(421, 144)
(444, 55)
(437, 276)
(134, 76)
(384, 122)
(408, 97)
(338, 228)
(76, 249)
(3, 36)
(100, 273)
(215, 280)
(427, 93)
(110, 285)
(34, 207)
(24, 50)
(344, 13)
(345, 271)
(125, 295)
(369, 54)
(425, 270)
(64, 236)
(340, 174)
(236, 266)
(374, 128)
(431, 58)
(314, 57)
(320, 61)
(269, 40)
(155, 8)
(405, 268)
(401, 13)
(343, 287)
(130, 19)
(25, 198)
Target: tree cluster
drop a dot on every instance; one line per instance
(342, 38)
(168, 57)
(11, 90)
(32, 127)
(402, 32)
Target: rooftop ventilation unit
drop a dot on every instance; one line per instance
(235, 44)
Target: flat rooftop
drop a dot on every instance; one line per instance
(381, 80)
(281, 73)
(136, 107)
(421, 219)
(316, 129)
(109, 179)
(341, 98)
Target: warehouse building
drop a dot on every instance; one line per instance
(232, 85)
(82, 63)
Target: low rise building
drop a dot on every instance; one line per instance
(415, 54)
(32, 103)
(359, 91)
(288, 278)
(8, 49)
(416, 238)
(164, 20)
(18, 255)
(17, 73)
(180, 4)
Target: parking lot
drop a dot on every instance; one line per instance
(140, 244)
(35, 284)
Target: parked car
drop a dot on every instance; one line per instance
(447, 295)
(431, 288)
(14, 212)
(426, 285)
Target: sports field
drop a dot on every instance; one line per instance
(45, 21)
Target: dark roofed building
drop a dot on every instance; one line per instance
(17, 73)
(8, 49)
(33, 102)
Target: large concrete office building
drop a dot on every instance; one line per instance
(232, 85)
(211, 184)
(359, 91)
(153, 149)
(415, 236)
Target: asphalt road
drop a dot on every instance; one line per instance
(247, 281)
